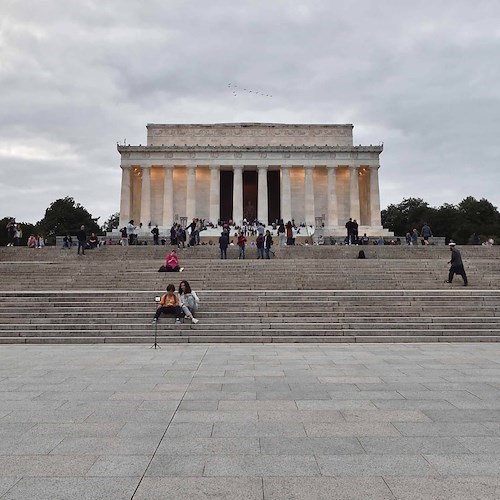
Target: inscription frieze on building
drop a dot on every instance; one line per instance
(249, 134)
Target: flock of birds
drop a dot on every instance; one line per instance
(235, 89)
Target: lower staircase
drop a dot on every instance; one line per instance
(254, 316)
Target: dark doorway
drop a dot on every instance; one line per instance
(250, 194)
(226, 195)
(273, 195)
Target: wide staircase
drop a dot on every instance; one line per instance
(304, 294)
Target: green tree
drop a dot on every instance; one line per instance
(456, 222)
(113, 222)
(66, 216)
(479, 216)
(445, 221)
(403, 217)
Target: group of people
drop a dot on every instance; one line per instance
(181, 303)
(263, 243)
(14, 233)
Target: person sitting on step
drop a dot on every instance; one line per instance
(188, 301)
(169, 304)
(172, 263)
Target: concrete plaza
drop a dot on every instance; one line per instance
(291, 421)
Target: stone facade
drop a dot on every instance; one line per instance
(311, 173)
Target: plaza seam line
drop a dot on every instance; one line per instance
(169, 422)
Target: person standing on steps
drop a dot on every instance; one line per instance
(156, 235)
(426, 233)
(268, 243)
(223, 244)
(82, 239)
(457, 266)
(242, 241)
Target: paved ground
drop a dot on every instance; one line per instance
(250, 422)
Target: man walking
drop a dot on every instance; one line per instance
(426, 233)
(457, 266)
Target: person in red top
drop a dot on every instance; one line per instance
(242, 241)
(172, 263)
(169, 304)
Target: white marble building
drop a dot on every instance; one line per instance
(310, 173)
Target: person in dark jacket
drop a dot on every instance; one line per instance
(82, 239)
(223, 244)
(457, 266)
(268, 243)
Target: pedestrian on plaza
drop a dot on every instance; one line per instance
(169, 304)
(156, 235)
(242, 241)
(457, 266)
(414, 237)
(124, 236)
(132, 232)
(426, 233)
(289, 234)
(18, 234)
(223, 244)
(82, 239)
(349, 228)
(259, 242)
(11, 229)
(355, 229)
(268, 243)
(282, 233)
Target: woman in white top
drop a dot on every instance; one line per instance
(188, 300)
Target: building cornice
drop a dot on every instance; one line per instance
(244, 149)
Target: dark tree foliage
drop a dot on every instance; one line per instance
(112, 222)
(65, 216)
(457, 222)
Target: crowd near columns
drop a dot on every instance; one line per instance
(190, 210)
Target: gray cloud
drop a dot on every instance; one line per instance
(75, 77)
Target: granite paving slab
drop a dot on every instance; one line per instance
(266, 421)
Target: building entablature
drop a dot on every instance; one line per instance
(245, 154)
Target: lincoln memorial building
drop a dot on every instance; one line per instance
(230, 171)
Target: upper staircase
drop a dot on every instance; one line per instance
(304, 294)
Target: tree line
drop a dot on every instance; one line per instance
(456, 222)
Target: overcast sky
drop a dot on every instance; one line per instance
(423, 77)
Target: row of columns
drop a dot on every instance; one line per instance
(262, 202)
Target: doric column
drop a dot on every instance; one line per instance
(238, 194)
(332, 216)
(145, 217)
(262, 208)
(168, 196)
(191, 193)
(286, 194)
(354, 193)
(214, 208)
(126, 196)
(309, 196)
(375, 219)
